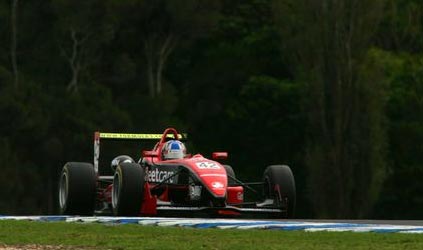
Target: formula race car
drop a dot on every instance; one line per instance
(168, 181)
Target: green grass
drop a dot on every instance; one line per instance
(101, 236)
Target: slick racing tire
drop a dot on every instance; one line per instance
(279, 184)
(128, 189)
(230, 172)
(77, 189)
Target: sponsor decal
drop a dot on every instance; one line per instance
(217, 185)
(135, 136)
(207, 165)
(96, 153)
(157, 175)
(240, 196)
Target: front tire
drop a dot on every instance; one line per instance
(77, 189)
(230, 172)
(279, 185)
(128, 189)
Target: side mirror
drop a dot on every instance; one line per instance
(147, 153)
(220, 155)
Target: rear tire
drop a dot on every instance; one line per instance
(128, 189)
(279, 184)
(77, 189)
(230, 172)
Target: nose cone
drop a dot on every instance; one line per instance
(211, 173)
(216, 185)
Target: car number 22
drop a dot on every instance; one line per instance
(207, 165)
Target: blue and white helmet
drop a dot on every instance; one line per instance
(173, 149)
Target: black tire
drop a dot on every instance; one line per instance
(77, 189)
(230, 172)
(282, 176)
(128, 189)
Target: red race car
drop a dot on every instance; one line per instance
(168, 181)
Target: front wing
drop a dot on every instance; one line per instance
(230, 211)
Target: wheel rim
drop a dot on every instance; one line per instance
(63, 190)
(115, 190)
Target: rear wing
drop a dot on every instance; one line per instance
(124, 136)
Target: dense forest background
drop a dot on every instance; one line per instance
(333, 88)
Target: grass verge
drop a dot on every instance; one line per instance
(20, 234)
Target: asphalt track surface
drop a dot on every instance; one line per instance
(376, 226)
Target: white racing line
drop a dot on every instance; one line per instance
(286, 225)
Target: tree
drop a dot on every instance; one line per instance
(327, 43)
(405, 130)
(82, 28)
(13, 41)
(402, 26)
(161, 25)
(400, 38)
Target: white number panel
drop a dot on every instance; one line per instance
(207, 165)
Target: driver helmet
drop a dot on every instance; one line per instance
(173, 149)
